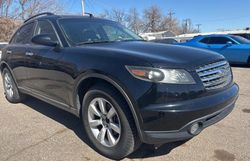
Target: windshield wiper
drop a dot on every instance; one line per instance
(107, 41)
(93, 42)
(131, 40)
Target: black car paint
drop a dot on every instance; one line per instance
(54, 76)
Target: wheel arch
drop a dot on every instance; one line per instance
(86, 81)
(5, 65)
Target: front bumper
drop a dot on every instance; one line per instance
(173, 123)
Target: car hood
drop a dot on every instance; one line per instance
(160, 55)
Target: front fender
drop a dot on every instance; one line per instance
(117, 85)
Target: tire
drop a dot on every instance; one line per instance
(11, 91)
(123, 143)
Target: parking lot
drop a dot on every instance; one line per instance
(36, 131)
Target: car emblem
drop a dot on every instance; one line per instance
(223, 72)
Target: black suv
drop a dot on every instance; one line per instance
(125, 90)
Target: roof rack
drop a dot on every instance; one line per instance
(37, 15)
(90, 14)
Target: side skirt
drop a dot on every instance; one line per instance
(48, 100)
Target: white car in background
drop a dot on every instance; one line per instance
(2, 44)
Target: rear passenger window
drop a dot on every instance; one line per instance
(45, 27)
(24, 35)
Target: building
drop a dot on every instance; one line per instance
(157, 35)
(184, 37)
(243, 33)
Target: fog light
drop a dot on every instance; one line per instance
(195, 128)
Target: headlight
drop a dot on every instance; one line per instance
(173, 76)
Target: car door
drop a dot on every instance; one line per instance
(222, 45)
(16, 50)
(237, 53)
(47, 79)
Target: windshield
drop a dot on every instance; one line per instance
(81, 31)
(240, 39)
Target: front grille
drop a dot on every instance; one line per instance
(215, 75)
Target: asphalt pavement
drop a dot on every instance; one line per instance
(37, 131)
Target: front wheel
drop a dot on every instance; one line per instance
(108, 123)
(11, 91)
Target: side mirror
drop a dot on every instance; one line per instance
(229, 43)
(44, 39)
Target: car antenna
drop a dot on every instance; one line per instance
(90, 14)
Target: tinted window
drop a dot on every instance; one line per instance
(219, 40)
(23, 36)
(80, 31)
(115, 33)
(205, 40)
(44, 27)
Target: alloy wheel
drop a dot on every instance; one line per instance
(8, 85)
(104, 122)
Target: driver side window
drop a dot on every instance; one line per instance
(44, 27)
(219, 40)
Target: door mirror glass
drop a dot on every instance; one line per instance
(229, 43)
(44, 39)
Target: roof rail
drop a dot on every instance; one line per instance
(37, 15)
(90, 14)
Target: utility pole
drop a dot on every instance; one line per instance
(185, 25)
(198, 27)
(170, 14)
(83, 12)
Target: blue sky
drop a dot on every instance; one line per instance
(212, 14)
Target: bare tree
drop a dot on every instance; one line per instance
(23, 4)
(5, 7)
(119, 16)
(134, 21)
(170, 24)
(7, 28)
(187, 26)
(31, 7)
(115, 15)
(12, 11)
(152, 17)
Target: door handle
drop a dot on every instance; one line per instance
(9, 52)
(29, 53)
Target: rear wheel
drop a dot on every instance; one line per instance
(108, 123)
(11, 91)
